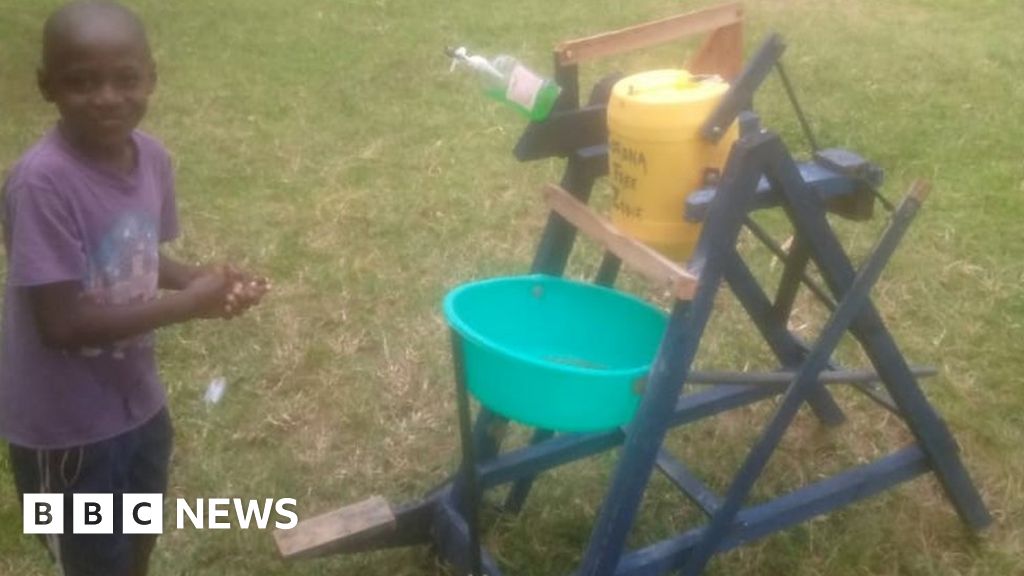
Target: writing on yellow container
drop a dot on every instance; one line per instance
(657, 156)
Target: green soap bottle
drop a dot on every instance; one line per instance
(507, 80)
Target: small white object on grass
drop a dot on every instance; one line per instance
(215, 391)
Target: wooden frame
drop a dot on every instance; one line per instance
(721, 53)
(633, 253)
(447, 517)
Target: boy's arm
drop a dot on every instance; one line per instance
(175, 275)
(67, 319)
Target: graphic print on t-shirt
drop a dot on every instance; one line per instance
(125, 270)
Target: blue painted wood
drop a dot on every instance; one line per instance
(534, 459)
(563, 133)
(833, 493)
(679, 346)
(609, 270)
(827, 184)
(521, 488)
(782, 342)
(794, 273)
(740, 96)
(704, 403)
(662, 407)
(559, 235)
(643, 439)
(852, 302)
(488, 433)
(789, 348)
(691, 486)
(567, 76)
(453, 542)
(796, 263)
(466, 491)
(847, 183)
(850, 486)
(566, 448)
(880, 348)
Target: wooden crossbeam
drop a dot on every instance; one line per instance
(632, 252)
(648, 34)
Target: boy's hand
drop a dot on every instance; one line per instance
(226, 291)
(208, 292)
(246, 292)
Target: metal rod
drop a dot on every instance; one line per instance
(766, 239)
(791, 94)
(805, 125)
(889, 206)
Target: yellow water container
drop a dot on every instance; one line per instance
(657, 156)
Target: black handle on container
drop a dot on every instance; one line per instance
(740, 96)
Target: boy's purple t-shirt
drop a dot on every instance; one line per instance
(66, 219)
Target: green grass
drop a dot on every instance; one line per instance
(324, 144)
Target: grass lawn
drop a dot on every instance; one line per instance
(323, 143)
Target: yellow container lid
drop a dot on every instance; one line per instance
(663, 104)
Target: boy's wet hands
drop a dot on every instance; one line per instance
(208, 293)
(226, 292)
(245, 290)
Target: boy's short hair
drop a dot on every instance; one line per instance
(72, 17)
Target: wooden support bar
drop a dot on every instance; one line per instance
(925, 424)
(829, 494)
(325, 533)
(715, 400)
(521, 488)
(545, 455)
(800, 505)
(633, 253)
(782, 342)
(688, 483)
(785, 377)
(452, 538)
(721, 53)
(566, 448)
(648, 34)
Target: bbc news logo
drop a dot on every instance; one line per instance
(144, 513)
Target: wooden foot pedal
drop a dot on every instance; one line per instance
(334, 530)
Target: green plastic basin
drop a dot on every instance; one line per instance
(553, 353)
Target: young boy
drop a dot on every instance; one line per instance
(85, 210)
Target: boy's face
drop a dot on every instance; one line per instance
(100, 78)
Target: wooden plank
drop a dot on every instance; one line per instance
(721, 53)
(919, 190)
(317, 536)
(647, 34)
(632, 252)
